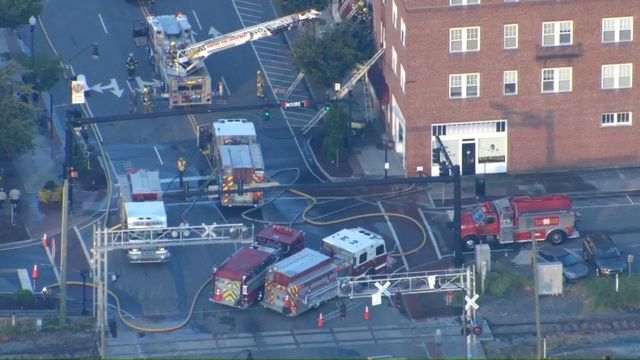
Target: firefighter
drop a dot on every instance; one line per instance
(146, 100)
(260, 84)
(172, 56)
(132, 65)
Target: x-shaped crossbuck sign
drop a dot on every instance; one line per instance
(471, 302)
(382, 289)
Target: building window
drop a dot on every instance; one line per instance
(383, 34)
(403, 32)
(464, 86)
(556, 80)
(617, 76)
(615, 119)
(463, 2)
(617, 29)
(403, 78)
(557, 33)
(394, 15)
(511, 36)
(510, 80)
(464, 39)
(394, 60)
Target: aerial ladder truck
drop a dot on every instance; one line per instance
(179, 60)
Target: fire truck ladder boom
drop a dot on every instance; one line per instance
(344, 90)
(191, 57)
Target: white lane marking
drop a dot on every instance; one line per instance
(102, 22)
(158, 154)
(225, 85)
(395, 236)
(629, 198)
(604, 206)
(195, 16)
(245, 2)
(433, 239)
(433, 205)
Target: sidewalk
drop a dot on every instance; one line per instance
(28, 172)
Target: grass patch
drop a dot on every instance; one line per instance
(601, 293)
(503, 280)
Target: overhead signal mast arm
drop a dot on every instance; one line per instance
(191, 57)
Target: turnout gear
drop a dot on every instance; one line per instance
(146, 101)
(132, 65)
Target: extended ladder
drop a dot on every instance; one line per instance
(344, 90)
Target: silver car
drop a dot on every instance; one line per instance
(573, 267)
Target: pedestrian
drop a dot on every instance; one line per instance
(3, 198)
(14, 197)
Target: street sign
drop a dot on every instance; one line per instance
(376, 299)
(295, 104)
(471, 302)
(77, 92)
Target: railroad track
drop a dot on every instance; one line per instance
(574, 326)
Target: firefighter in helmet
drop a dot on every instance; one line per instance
(146, 100)
(260, 84)
(172, 56)
(132, 65)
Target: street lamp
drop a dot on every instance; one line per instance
(32, 23)
(95, 53)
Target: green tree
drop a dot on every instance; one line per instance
(334, 133)
(43, 73)
(14, 13)
(329, 59)
(17, 118)
(291, 6)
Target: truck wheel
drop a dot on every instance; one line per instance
(470, 242)
(557, 237)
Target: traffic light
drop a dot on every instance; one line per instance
(327, 105)
(444, 168)
(397, 300)
(267, 113)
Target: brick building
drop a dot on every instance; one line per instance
(508, 85)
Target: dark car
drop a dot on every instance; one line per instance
(573, 268)
(600, 250)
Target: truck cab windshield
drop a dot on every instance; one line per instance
(478, 215)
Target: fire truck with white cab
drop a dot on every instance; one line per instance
(518, 219)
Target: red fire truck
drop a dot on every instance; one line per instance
(308, 278)
(239, 281)
(514, 219)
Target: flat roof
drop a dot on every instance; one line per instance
(234, 127)
(354, 240)
(241, 156)
(280, 234)
(300, 262)
(145, 182)
(145, 209)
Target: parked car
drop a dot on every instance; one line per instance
(601, 251)
(573, 267)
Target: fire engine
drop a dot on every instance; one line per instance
(309, 278)
(239, 281)
(515, 219)
(179, 60)
(142, 210)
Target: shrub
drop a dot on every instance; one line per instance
(24, 299)
(502, 280)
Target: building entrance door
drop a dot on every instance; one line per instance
(468, 158)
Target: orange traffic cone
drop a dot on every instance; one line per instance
(218, 296)
(34, 273)
(366, 313)
(320, 321)
(45, 243)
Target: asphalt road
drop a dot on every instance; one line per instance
(161, 294)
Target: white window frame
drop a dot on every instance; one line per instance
(383, 34)
(464, 35)
(558, 76)
(510, 77)
(506, 27)
(394, 15)
(403, 32)
(394, 60)
(463, 2)
(462, 81)
(616, 72)
(403, 79)
(557, 28)
(616, 119)
(617, 25)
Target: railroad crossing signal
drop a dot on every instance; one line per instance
(471, 302)
(376, 298)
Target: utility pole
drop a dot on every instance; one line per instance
(63, 254)
(536, 293)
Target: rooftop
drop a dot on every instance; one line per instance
(354, 240)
